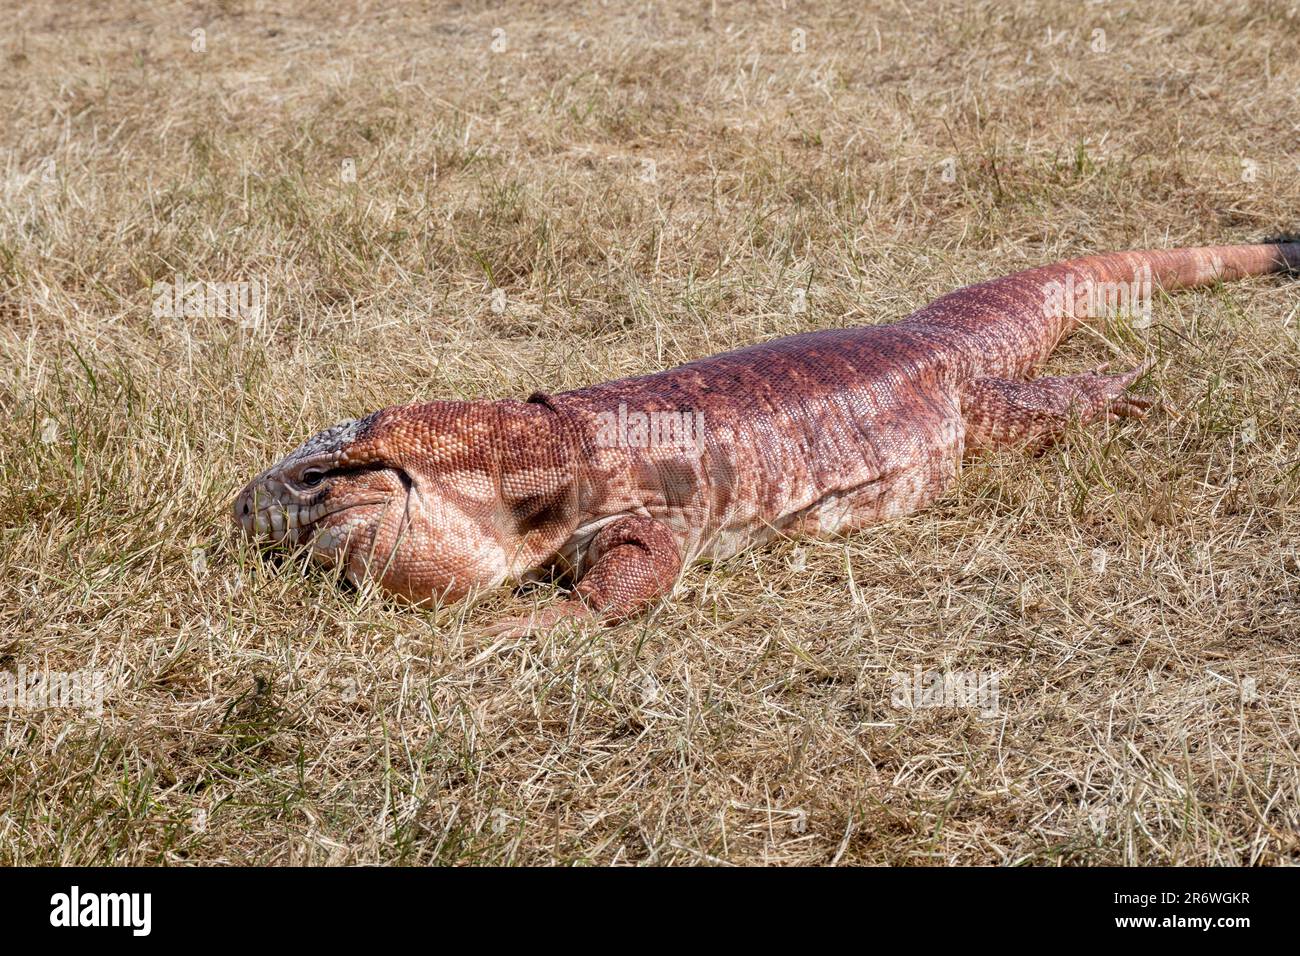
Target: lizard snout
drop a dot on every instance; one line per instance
(242, 510)
(261, 513)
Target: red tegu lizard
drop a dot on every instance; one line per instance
(624, 483)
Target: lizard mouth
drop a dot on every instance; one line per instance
(366, 530)
(274, 511)
(273, 521)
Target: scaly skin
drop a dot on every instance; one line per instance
(814, 434)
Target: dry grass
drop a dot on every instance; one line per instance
(260, 713)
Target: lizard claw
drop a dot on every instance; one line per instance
(1113, 390)
(543, 621)
(1129, 406)
(1124, 378)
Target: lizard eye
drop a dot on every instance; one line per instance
(311, 478)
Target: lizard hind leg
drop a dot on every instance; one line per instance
(1003, 413)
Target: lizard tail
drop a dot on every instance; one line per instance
(1187, 268)
(1009, 325)
(1125, 281)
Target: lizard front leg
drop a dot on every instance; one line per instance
(999, 412)
(632, 562)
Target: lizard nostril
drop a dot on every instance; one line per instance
(243, 509)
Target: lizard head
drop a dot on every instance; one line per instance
(432, 501)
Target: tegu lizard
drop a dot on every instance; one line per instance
(621, 485)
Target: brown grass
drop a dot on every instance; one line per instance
(260, 713)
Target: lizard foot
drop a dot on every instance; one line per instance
(1111, 391)
(543, 621)
(1005, 412)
